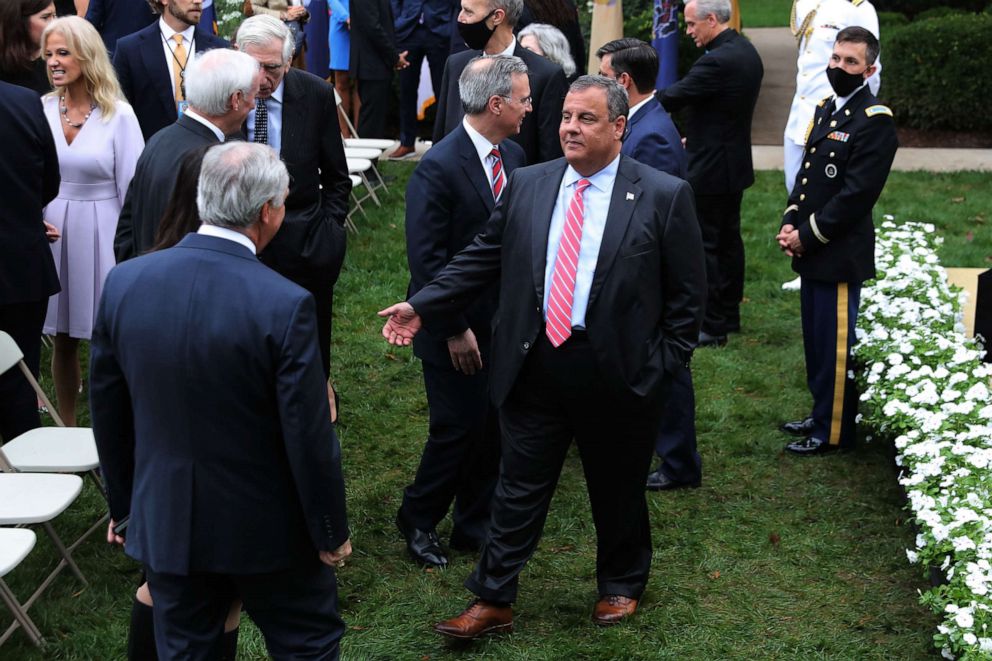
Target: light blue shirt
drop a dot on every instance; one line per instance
(274, 105)
(597, 204)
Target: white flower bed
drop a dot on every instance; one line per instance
(923, 384)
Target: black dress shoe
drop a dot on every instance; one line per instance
(707, 340)
(802, 427)
(810, 446)
(658, 481)
(423, 545)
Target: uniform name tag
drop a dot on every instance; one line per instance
(839, 136)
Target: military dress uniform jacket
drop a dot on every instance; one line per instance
(847, 160)
(815, 24)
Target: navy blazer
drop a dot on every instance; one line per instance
(449, 201)
(539, 131)
(210, 413)
(29, 179)
(653, 140)
(646, 300)
(114, 19)
(437, 16)
(146, 78)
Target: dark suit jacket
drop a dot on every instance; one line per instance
(146, 77)
(437, 15)
(114, 19)
(29, 179)
(847, 161)
(210, 413)
(719, 91)
(646, 301)
(653, 140)
(449, 201)
(539, 131)
(151, 187)
(310, 242)
(373, 40)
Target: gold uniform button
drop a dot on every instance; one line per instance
(807, 165)
(802, 197)
(804, 181)
(833, 123)
(813, 150)
(831, 154)
(847, 112)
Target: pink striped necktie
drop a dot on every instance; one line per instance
(498, 179)
(559, 325)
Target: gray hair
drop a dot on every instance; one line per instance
(485, 77)
(512, 8)
(211, 79)
(261, 29)
(236, 180)
(719, 8)
(553, 43)
(616, 95)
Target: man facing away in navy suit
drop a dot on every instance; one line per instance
(601, 277)
(151, 63)
(211, 419)
(449, 198)
(653, 140)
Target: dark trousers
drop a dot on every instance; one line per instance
(374, 95)
(720, 222)
(18, 402)
(422, 43)
(461, 457)
(676, 444)
(560, 395)
(829, 315)
(296, 611)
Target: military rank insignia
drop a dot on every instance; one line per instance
(871, 111)
(839, 136)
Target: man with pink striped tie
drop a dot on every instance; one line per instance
(601, 283)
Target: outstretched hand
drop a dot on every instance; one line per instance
(402, 324)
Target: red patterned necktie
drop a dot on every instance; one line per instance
(559, 324)
(498, 179)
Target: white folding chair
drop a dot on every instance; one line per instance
(371, 155)
(15, 544)
(349, 223)
(359, 167)
(373, 143)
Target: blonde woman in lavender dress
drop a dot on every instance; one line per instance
(98, 141)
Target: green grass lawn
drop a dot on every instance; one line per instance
(765, 13)
(775, 557)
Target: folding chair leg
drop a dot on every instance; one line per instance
(21, 617)
(382, 182)
(64, 552)
(370, 189)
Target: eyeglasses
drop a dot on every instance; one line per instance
(527, 100)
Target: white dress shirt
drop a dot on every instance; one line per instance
(508, 50)
(192, 114)
(274, 105)
(640, 104)
(169, 44)
(229, 234)
(482, 148)
(596, 204)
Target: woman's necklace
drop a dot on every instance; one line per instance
(65, 113)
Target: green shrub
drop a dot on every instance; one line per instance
(913, 7)
(936, 73)
(940, 12)
(890, 19)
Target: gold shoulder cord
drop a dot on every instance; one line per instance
(803, 30)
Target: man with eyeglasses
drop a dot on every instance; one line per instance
(294, 114)
(449, 198)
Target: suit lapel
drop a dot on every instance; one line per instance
(626, 192)
(473, 169)
(153, 56)
(839, 118)
(292, 119)
(545, 195)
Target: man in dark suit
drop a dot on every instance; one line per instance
(221, 86)
(827, 229)
(653, 140)
(114, 19)
(601, 277)
(487, 27)
(29, 179)
(292, 113)
(213, 429)
(423, 29)
(719, 92)
(374, 57)
(152, 63)
(449, 198)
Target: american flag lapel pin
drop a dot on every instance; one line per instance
(630, 196)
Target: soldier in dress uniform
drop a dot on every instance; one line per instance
(815, 24)
(827, 230)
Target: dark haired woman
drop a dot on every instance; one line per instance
(21, 25)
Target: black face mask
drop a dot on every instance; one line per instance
(476, 35)
(844, 83)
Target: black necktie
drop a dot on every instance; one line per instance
(261, 122)
(831, 106)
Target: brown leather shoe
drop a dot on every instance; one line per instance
(479, 619)
(402, 152)
(612, 608)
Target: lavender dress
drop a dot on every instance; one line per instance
(96, 170)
